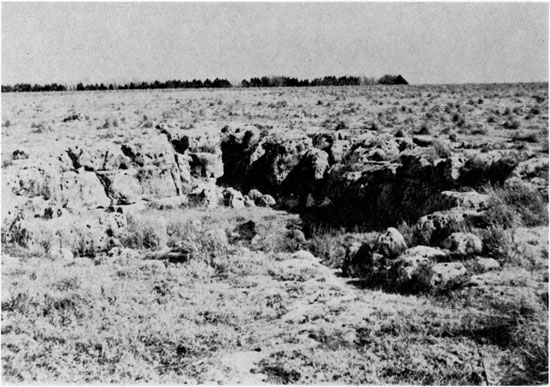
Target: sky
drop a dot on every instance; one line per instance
(424, 42)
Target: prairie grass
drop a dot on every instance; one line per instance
(516, 204)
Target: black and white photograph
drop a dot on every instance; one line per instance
(256, 193)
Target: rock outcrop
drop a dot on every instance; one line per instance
(343, 178)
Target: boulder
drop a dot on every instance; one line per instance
(206, 194)
(248, 202)
(391, 243)
(362, 261)
(206, 165)
(434, 228)
(254, 194)
(484, 265)
(282, 152)
(240, 149)
(122, 186)
(463, 244)
(531, 168)
(82, 190)
(471, 200)
(266, 201)
(434, 254)
(493, 167)
(183, 163)
(153, 151)
(315, 164)
(449, 169)
(233, 198)
(448, 275)
(98, 156)
(338, 151)
(303, 254)
(412, 273)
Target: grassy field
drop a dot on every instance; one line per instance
(191, 295)
(243, 313)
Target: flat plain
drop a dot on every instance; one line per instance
(328, 235)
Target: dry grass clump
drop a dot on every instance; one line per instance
(525, 137)
(516, 204)
(146, 123)
(41, 128)
(531, 340)
(109, 123)
(522, 327)
(144, 232)
(185, 238)
(330, 244)
(199, 244)
(511, 207)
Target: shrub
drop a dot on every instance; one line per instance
(407, 231)
(424, 129)
(144, 233)
(525, 137)
(497, 243)
(200, 245)
(459, 120)
(516, 203)
(479, 131)
(527, 326)
(328, 246)
(341, 125)
(531, 335)
(106, 124)
(146, 123)
(511, 124)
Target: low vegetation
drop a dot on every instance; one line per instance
(171, 279)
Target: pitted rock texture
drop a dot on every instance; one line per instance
(372, 171)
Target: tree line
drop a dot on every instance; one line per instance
(171, 84)
(294, 82)
(216, 83)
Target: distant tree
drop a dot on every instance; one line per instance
(392, 80)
